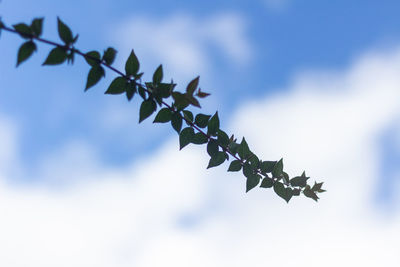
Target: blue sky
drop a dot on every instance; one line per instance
(314, 82)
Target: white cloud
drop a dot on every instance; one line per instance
(326, 123)
(184, 43)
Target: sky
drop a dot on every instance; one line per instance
(82, 183)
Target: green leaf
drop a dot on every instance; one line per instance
(233, 147)
(212, 147)
(278, 169)
(213, 124)
(192, 86)
(252, 182)
(93, 58)
(267, 166)
(165, 89)
(158, 75)
(180, 100)
(267, 183)
(185, 137)
(199, 139)
(25, 51)
(299, 181)
(317, 187)
(310, 194)
(132, 64)
(201, 120)
(142, 92)
(176, 122)
(130, 90)
(24, 30)
(202, 94)
(254, 161)
(94, 76)
(216, 160)
(164, 115)
(192, 100)
(117, 86)
(188, 115)
(64, 32)
(243, 150)
(285, 193)
(56, 56)
(248, 170)
(223, 138)
(109, 55)
(37, 26)
(146, 109)
(235, 166)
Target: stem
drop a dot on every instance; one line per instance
(191, 124)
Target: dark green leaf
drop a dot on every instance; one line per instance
(130, 90)
(164, 115)
(285, 193)
(248, 171)
(317, 187)
(212, 147)
(267, 166)
(109, 55)
(309, 193)
(199, 139)
(132, 64)
(267, 183)
(93, 58)
(37, 26)
(176, 122)
(202, 94)
(192, 100)
(165, 89)
(142, 92)
(64, 32)
(278, 169)
(188, 115)
(117, 86)
(192, 86)
(233, 147)
(254, 161)
(56, 56)
(185, 137)
(223, 138)
(158, 75)
(24, 30)
(201, 120)
(235, 166)
(180, 100)
(218, 159)
(252, 182)
(25, 51)
(299, 181)
(146, 109)
(296, 192)
(94, 76)
(213, 124)
(243, 150)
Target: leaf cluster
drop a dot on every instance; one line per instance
(169, 106)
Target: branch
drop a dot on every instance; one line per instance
(267, 174)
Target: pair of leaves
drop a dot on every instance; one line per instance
(167, 115)
(65, 33)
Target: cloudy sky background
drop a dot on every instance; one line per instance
(317, 83)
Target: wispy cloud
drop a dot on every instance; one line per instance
(185, 44)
